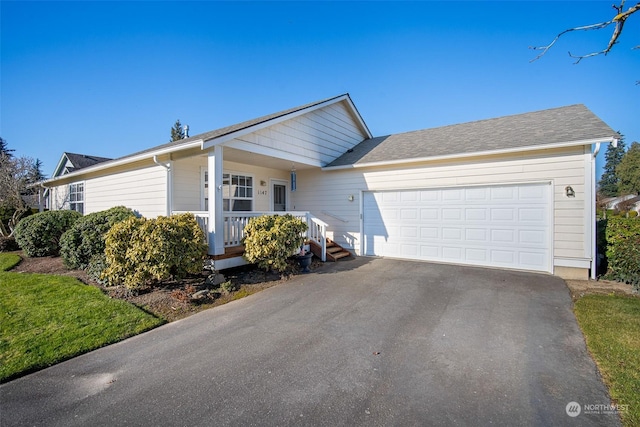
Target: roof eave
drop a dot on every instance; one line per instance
(473, 154)
(123, 161)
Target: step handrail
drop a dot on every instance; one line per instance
(317, 233)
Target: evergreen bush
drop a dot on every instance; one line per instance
(39, 235)
(8, 244)
(623, 250)
(141, 252)
(271, 239)
(86, 238)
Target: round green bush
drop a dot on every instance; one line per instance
(86, 238)
(271, 239)
(141, 252)
(39, 235)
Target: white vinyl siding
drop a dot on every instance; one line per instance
(143, 190)
(315, 138)
(187, 178)
(188, 191)
(325, 193)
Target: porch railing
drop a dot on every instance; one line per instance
(234, 223)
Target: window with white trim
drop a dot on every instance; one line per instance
(237, 192)
(76, 197)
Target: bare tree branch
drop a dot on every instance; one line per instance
(618, 21)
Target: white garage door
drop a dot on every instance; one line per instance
(500, 226)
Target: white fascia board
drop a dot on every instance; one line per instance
(61, 163)
(250, 129)
(359, 118)
(474, 154)
(124, 161)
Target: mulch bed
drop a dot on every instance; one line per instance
(171, 300)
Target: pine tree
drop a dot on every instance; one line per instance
(629, 171)
(177, 131)
(4, 149)
(609, 180)
(35, 172)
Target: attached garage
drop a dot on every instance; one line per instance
(507, 226)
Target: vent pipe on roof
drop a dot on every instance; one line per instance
(186, 131)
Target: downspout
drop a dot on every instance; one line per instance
(592, 214)
(169, 184)
(594, 237)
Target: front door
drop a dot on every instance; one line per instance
(279, 192)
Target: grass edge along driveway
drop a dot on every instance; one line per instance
(611, 327)
(45, 319)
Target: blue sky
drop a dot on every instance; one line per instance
(111, 78)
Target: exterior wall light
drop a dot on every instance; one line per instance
(569, 191)
(350, 197)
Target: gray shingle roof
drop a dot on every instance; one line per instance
(547, 127)
(80, 161)
(234, 128)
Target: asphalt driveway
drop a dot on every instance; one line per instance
(362, 342)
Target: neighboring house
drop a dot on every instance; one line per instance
(513, 192)
(69, 196)
(626, 202)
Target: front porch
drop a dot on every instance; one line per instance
(230, 255)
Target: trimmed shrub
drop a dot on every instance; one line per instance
(39, 235)
(8, 244)
(141, 252)
(97, 265)
(271, 239)
(86, 238)
(623, 250)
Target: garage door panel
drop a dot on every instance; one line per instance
(538, 214)
(429, 214)
(475, 214)
(429, 233)
(533, 193)
(502, 214)
(504, 226)
(499, 257)
(476, 255)
(476, 235)
(452, 214)
(452, 253)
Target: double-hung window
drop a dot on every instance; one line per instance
(237, 192)
(76, 197)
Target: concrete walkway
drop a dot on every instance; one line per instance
(362, 342)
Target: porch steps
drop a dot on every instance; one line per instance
(334, 251)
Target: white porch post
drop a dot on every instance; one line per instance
(216, 218)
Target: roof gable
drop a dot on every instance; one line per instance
(511, 133)
(71, 162)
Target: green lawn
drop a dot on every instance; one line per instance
(611, 326)
(45, 319)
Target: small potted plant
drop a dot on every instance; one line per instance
(304, 259)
